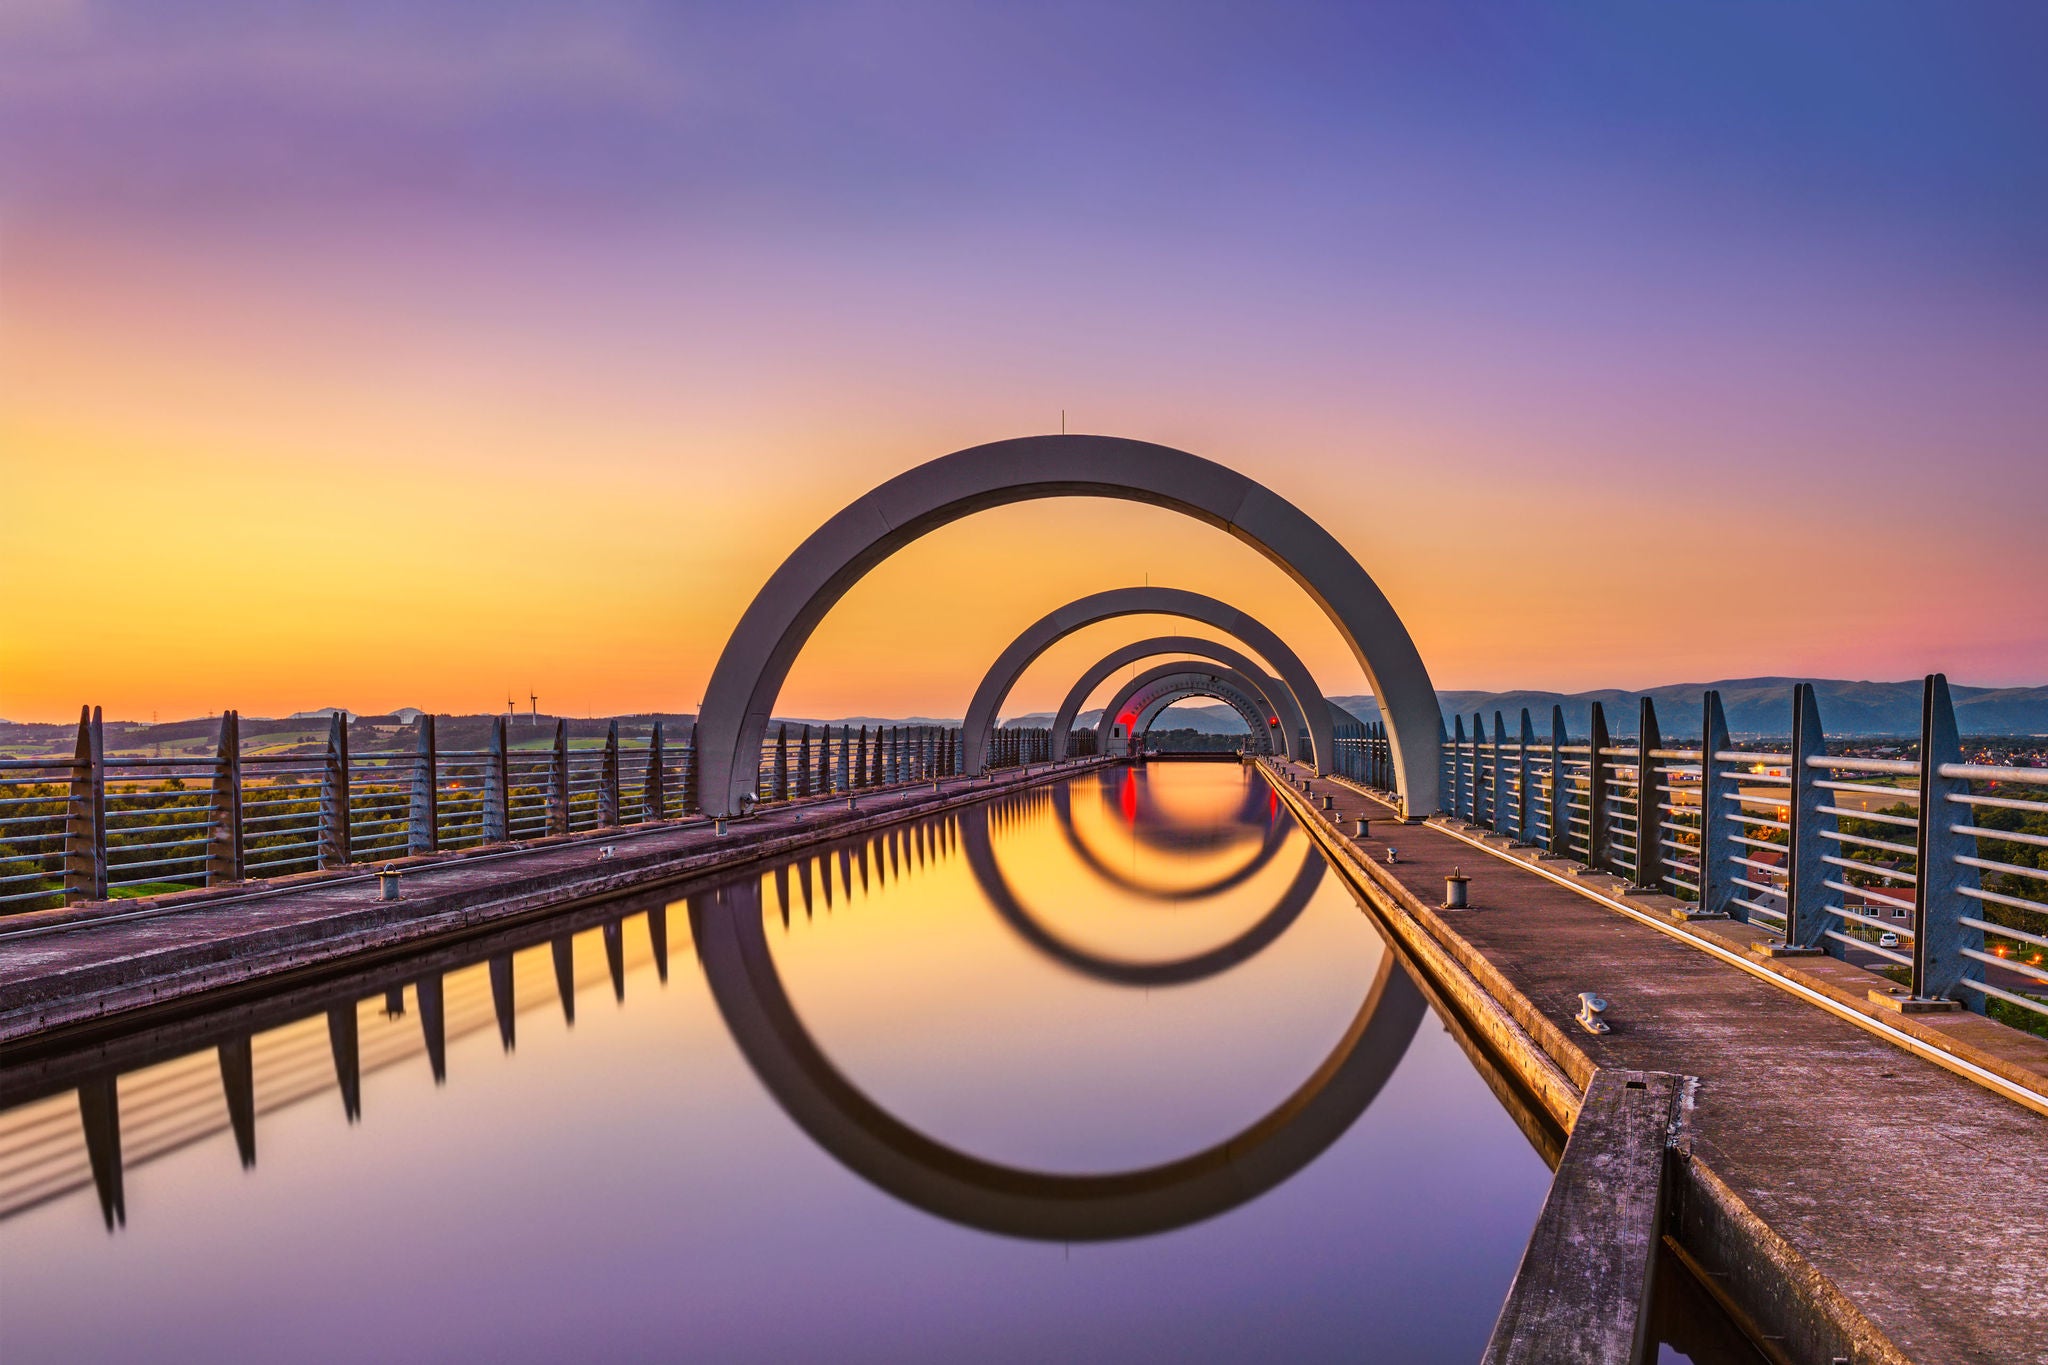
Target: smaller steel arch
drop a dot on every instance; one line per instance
(1225, 684)
(1286, 706)
(1056, 625)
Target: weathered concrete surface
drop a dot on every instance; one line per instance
(1582, 1292)
(94, 968)
(1853, 1199)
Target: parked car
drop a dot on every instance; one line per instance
(1887, 939)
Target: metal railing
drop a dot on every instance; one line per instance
(94, 825)
(1935, 868)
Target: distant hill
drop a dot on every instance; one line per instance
(1203, 720)
(1755, 706)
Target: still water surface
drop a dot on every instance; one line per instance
(1111, 1070)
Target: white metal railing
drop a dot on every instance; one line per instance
(95, 825)
(1827, 850)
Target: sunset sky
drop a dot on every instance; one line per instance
(403, 354)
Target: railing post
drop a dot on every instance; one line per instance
(334, 835)
(1485, 773)
(1447, 769)
(608, 789)
(423, 822)
(1806, 911)
(654, 786)
(224, 809)
(860, 759)
(1560, 799)
(1524, 775)
(1650, 860)
(1456, 749)
(1599, 832)
(803, 763)
(1500, 770)
(558, 780)
(1939, 905)
(497, 826)
(85, 813)
(691, 804)
(1717, 818)
(779, 791)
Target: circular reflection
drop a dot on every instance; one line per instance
(1017, 1201)
(981, 858)
(1156, 831)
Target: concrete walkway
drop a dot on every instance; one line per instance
(71, 968)
(1903, 1192)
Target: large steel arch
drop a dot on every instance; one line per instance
(1185, 680)
(758, 655)
(1055, 626)
(1282, 698)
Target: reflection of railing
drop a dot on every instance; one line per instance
(94, 825)
(114, 1124)
(1825, 849)
(93, 1116)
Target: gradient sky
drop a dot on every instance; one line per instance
(380, 355)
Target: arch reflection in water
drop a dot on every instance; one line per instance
(1156, 828)
(894, 1155)
(1122, 972)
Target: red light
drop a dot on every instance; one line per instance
(1272, 720)
(1128, 719)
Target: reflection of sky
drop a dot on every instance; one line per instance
(393, 286)
(629, 1183)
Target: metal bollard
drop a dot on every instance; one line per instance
(387, 882)
(1361, 828)
(1590, 1008)
(1455, 891)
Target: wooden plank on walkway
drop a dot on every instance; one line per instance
(1582, 1293)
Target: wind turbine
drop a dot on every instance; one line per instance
(534, 698)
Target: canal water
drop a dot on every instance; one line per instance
(1110, 1070)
